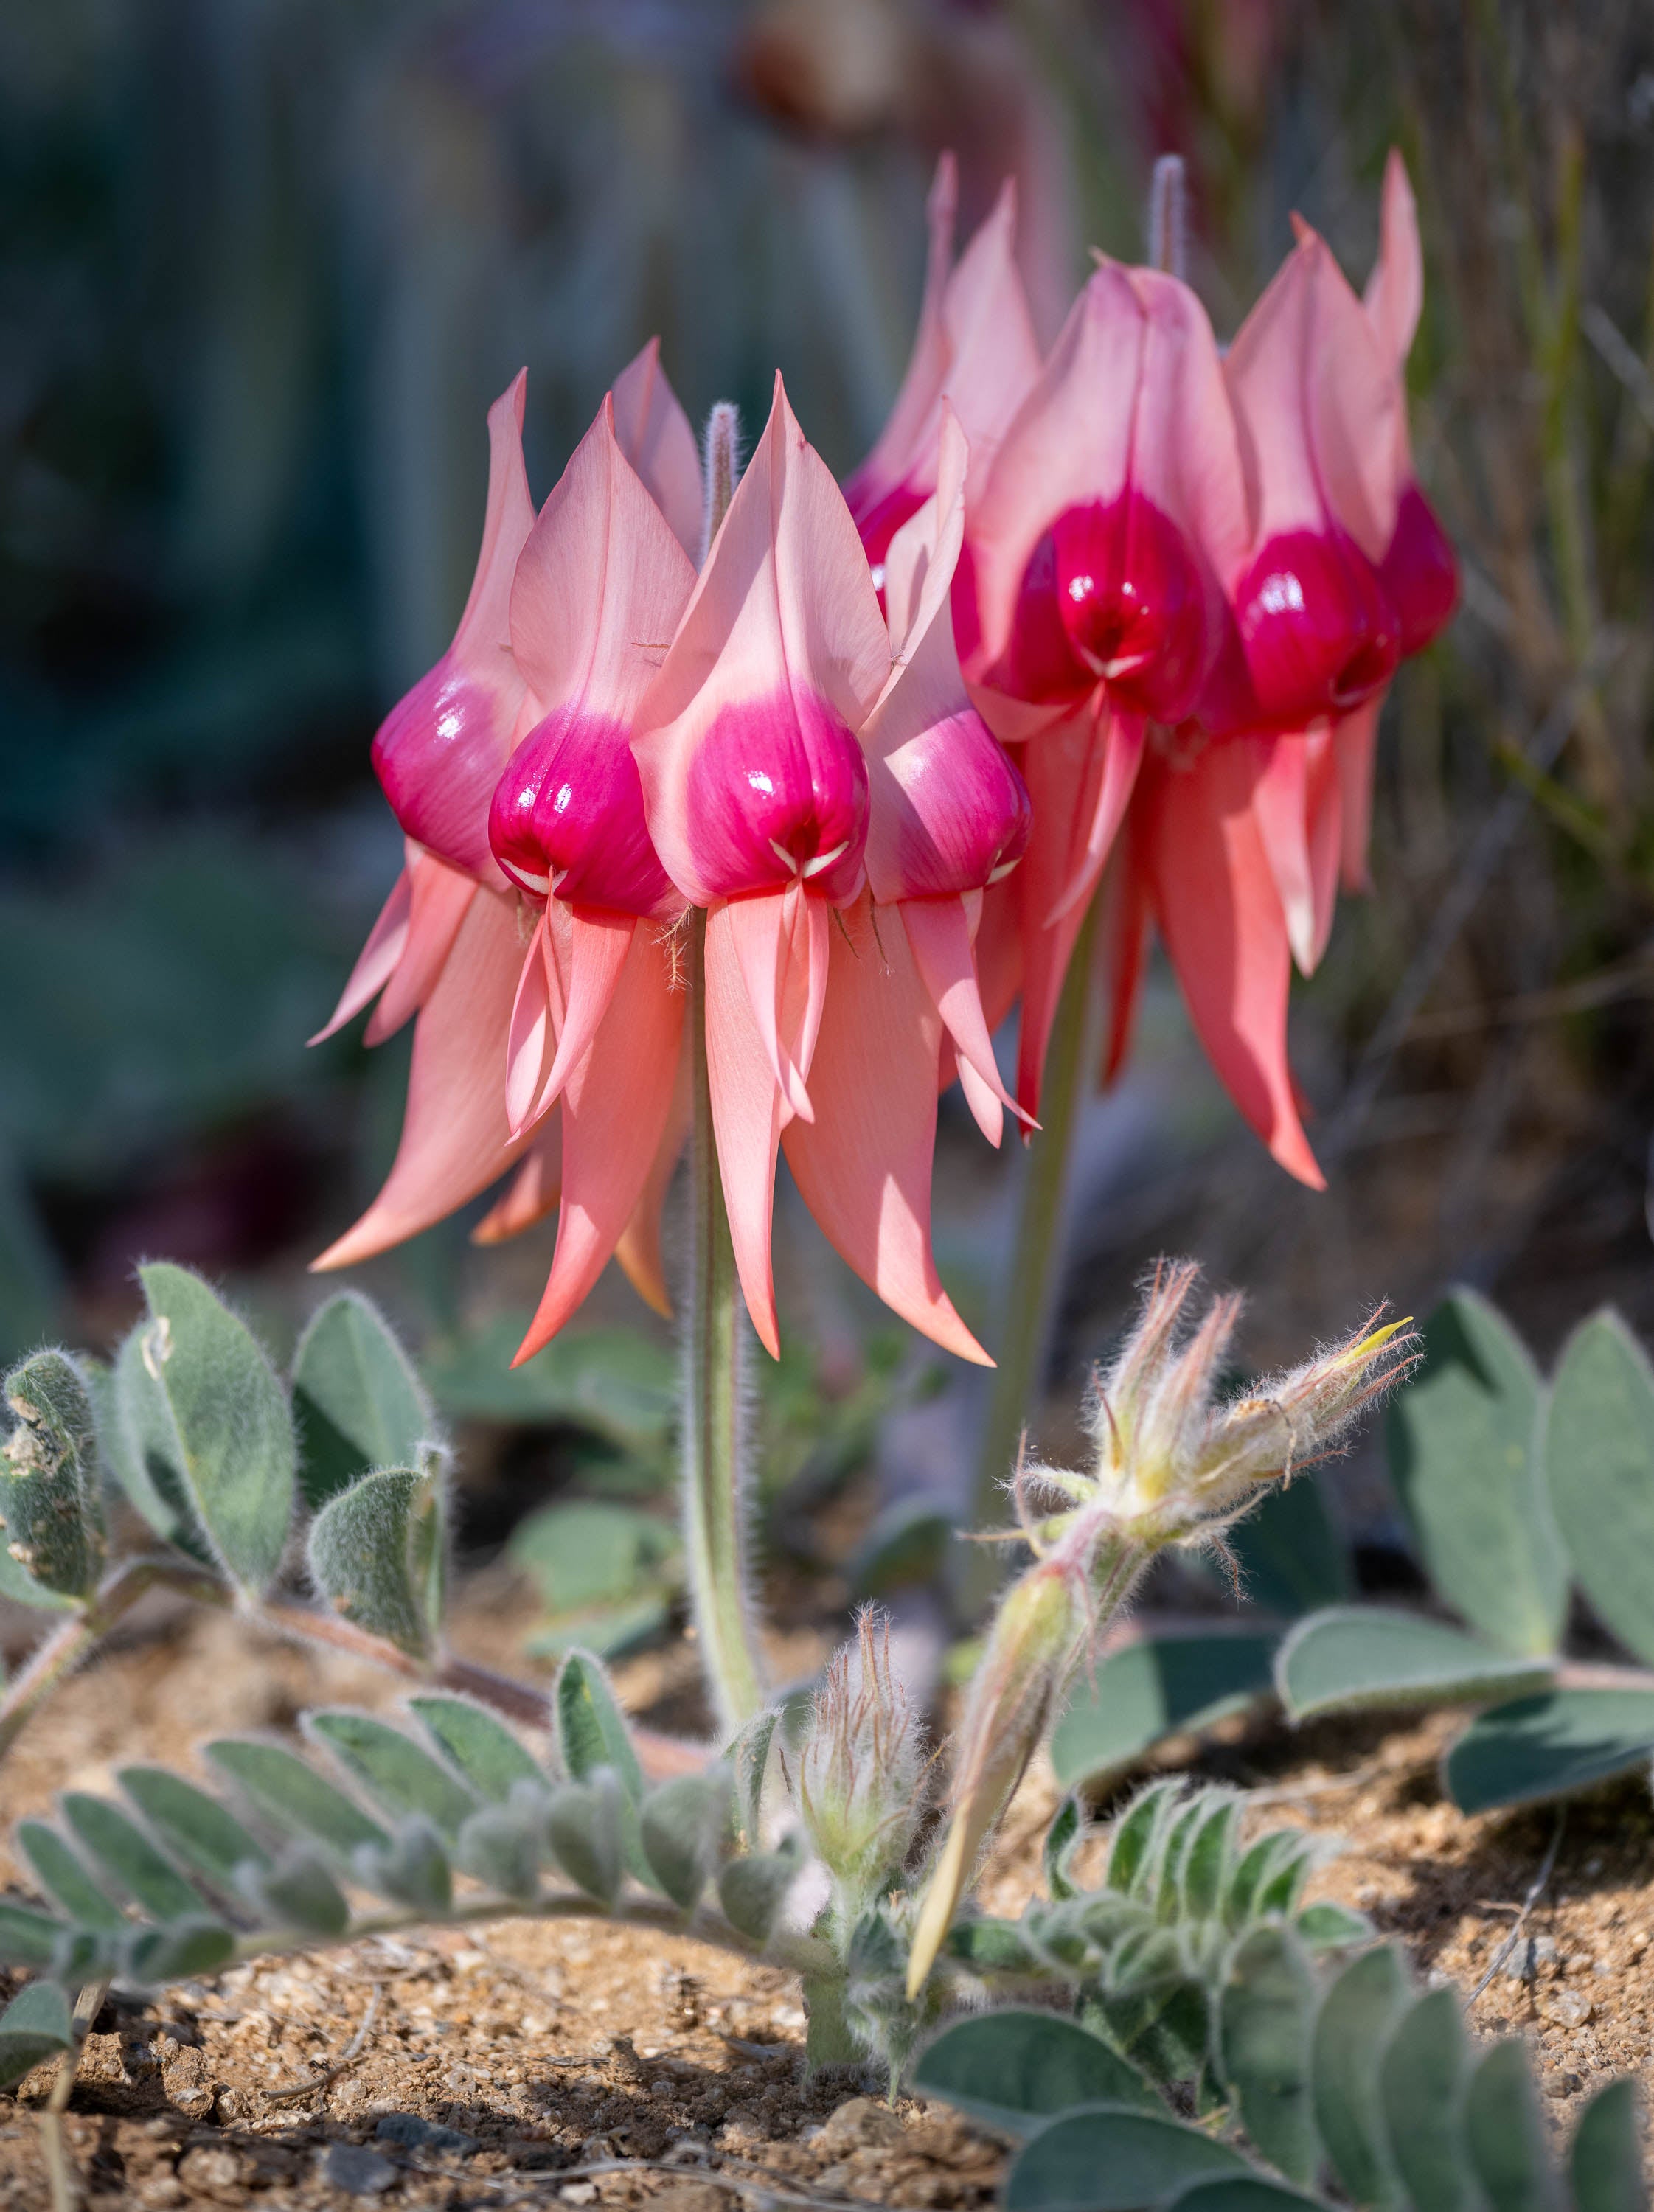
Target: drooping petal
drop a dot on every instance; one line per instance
(600, 942)
(781, 942)
(1220, 916)
(1115, 510)
(746, 1118)
(751, 776)
(939, 937)
(864, 1165)
(438, 897)
(1355, 743)
(535, 1017)
(455, 1141)
(386, 941)
(533, 1192)
(639, 1250)
(439, 751)
(1295, 802)
(1125, 921)
(655, 437)
(614, 1109)
(947, 811)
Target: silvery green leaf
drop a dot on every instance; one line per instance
(412, 1869)
(200, 1829)
(1421, 2080)
(27, 1938)
(1013, 2070)
(51, 1503)
(63, 1874)
(1061, 1839)
(685, 1823)
(297, 1892)
(1264, 2037)
(1605, 2162)
(752, 1890)
(591, 1728)
(140, 1446)
(293, 1796)
(232, 1430)
(749, 1756)
(151, 1956)
(1358, 2015)
(1504, 2134)
(402, 1778)
(582, 1825)
(479, 1744)
(378, 1555)
(358, 1402)
(81, 1955)
(35, 2025)
(127, 1855)
(501, 1846)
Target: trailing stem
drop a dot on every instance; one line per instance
(1030, 1299)
(714, 1530)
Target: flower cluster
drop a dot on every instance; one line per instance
(866, 752)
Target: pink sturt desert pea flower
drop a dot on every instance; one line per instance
(777, 716)
(974, 351)
(524, 1030)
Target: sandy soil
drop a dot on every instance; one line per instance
(552, 2048)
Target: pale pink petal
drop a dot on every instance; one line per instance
(1120, 740)
(752, 777)
(615, 1109)
(599, 944)
(455, 1141)
(1067, 771)
(439, 896)
(533, 1192)
(994, 354)
(1280, 809)
(439, 752)
(531, 1040)
(1220, 915)
(655, 437)
(747, 1111)
(1326, 835)
(864, 1166)
(386, 941)
(1355, 740)
(986, 1109)
(901, 440)
(939, 936)
(1394, 295)
(760, 929)
(639, 1250)
(1125, 922)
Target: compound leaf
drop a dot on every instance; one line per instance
(403, 1780)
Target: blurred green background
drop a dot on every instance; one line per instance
(265, 262)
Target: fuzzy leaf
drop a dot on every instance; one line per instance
(1547, 1746)
(197, 1826)
(50, 1507)
(293, 1795)
(62, 1873)
(152, 1956)
(748, 1757)
(1357, 2017)
(1062, 1838)
(582, 1825)
(129, 1858)
(1108, 2158)
(27, 1938)
(1504, 2133)
(357, 1401)
(1599, 1460)
(1134, 1845)
(683, 1823)
(403, 1780)
(752, 1890)
(486, 1752)
(298, 1892)
(592, 1729)
(1364, 1656)
(35, 2025)
(140, 1447)
(1264, 2038)
(1464, 1455)
(232, 1429)
(1162, 1685)
(1605, 2163)
(1249, 2192)
(411, 1869)
(1329, 1927)
(1011, 2070)
(1209, 1865)
(378, 1554)
(1421, 2079)
(991, 1947)
(500, 1845)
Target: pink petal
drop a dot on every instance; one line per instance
(439, 751)
(781, 941)
(439, 897)
(1326, 835)
(1355, 744)
(995, 356)
(864, 1165)
(901, 442)
(655, 437)
(1125, 917)
(533, 1192)
(1394, 295)
(600, 943)
(567, 819)
(939, 937)
(1280, 810)
(1220, 915)
(747, 1111)
(615, 1111)
(639, 1250)
(752, 777)
(455, 1141)
(535, 1017)
(377, 960)
(1420, 572)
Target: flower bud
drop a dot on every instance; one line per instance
(861, 1788)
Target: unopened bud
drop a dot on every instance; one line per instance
(861, 1786)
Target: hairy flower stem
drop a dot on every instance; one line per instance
(714, 1531)
(1030, 1299)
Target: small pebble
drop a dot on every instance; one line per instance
(357, 2170)
(414, 2134)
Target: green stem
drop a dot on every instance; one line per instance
(1030, 1302)
(714, 1532)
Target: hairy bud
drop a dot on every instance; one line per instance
(861, 1784)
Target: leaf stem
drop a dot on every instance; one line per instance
(715, 1524)
(63, 2180)
(1030, 1302)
